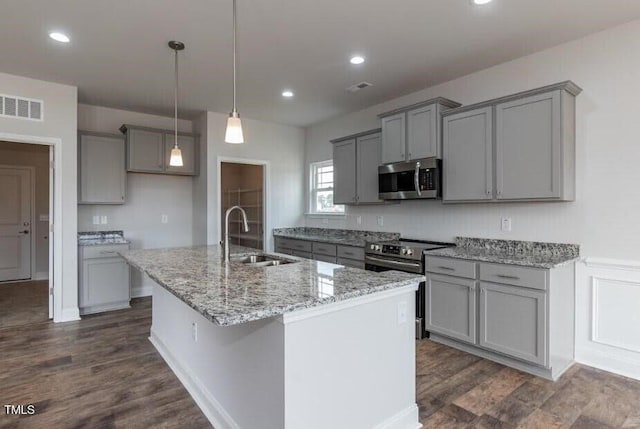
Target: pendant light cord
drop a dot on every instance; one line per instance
(234, 56)
(175, 145)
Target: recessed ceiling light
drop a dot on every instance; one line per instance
(357, 59)
(287, 94)
(480, 2)
(59, 37)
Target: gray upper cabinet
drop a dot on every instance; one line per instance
(393, 134)
(468, 157)
(344, 172)
(532, 139)
(101, 168)
(413, 132)
(149, 151)
(355, 167)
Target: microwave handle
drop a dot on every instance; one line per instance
(416, 179)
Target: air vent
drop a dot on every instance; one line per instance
(358, 86)
(21, 108)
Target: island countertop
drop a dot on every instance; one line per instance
(234, 293)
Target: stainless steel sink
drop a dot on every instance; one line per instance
(261, 260)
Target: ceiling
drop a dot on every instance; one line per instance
(118, 55)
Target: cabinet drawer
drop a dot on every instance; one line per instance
(290, 243)
(324, 249)
(450, 266)
(301, 254)
(103, 251)
(534, 278)
(350, 263)
(350, 252)
(324, 258)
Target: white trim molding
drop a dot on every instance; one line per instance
(607, 319)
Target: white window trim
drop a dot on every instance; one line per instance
(311, 194)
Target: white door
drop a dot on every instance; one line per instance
(15, 223)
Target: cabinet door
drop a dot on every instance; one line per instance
(353, 263)
(529, 147)
(369, 155)
(102, 173)
(393, 138)
(188, 146)
(422, 132)
(145, 151)
(451, 307)
(513, 321)
(105, 281)
(468, 156)
(324, 258)
(344, 172)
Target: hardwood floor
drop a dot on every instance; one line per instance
(102, 372)
(23, 303)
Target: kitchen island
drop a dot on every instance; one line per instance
(298, 344)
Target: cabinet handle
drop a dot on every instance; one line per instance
(110, 252)
(502, 276)
(481, 290)
(442, 267)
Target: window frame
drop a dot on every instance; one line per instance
(313, 190)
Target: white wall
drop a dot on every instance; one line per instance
(282, 146)
(60, 122)
(603, 219)
(149, 196)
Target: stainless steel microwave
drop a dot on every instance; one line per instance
(410, 180)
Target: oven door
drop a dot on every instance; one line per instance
(377, 264)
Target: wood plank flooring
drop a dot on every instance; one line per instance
(24, 303)
(102, 372)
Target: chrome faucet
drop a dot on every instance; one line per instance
(226, 228)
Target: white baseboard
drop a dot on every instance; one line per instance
(41, 275)
(68, 315)
(406, 419)
(211, 408)
(607, 362)
(141, 291)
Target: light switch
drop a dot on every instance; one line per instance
(505, 224)
(103, 220)
(380, 220)
(96, 220)
(359, 220)
(164, 218)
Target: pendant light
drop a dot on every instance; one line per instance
(176, 153)
(234, 126)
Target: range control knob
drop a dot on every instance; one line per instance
(407, 252)
(375, 247)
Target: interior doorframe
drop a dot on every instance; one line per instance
(265, 193)
(55, 206)
(32, 214)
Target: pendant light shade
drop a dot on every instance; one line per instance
(176, 154)
(234, 133)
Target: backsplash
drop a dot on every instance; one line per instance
(515, 247)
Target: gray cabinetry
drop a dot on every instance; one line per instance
(104, 279)
(149, 150)
(101, 168)
(513, 321)
(451, 307)
(413, 132)
(355, 167)
(531, 136)
(349, 256)
(467, 156)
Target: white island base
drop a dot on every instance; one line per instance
(349, 364)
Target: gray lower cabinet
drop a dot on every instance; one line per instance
(531, 137)
(349, 256)
(101, 168)
(355, 167)
(104, 279)
(513, 321)
(451, 307)
(149, 150)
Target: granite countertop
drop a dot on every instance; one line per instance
(524, 253)
(99, 238)
(234, 293)
(344, 237)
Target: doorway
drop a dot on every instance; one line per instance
(24, 233)
(243, 185)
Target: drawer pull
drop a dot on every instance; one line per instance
(108, 252)
(502, 276)
(442, 267)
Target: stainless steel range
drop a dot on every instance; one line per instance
(403, 255)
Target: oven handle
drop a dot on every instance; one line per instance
(391, 263)
(416, 179)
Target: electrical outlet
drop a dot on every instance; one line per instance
(359, 220)
(325, 221)
(505, 224)
(103, 220)
(164, 218)
(380, 220)
(402, 312)
(96, 220)
(194, 331)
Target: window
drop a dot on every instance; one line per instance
(322, 189)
